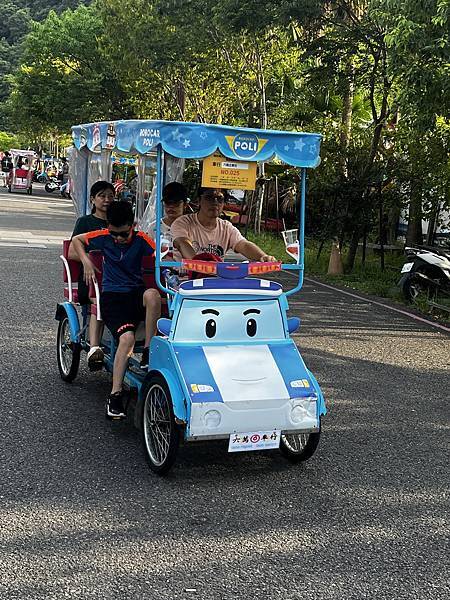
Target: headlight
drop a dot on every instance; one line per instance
(212, 419)
(298, 413)
(304, 408)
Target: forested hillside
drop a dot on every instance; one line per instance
(372, 76)
(15, 23)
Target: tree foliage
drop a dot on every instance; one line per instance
(65, 77)
(371, 75)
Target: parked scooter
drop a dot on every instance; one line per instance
(426, 271)
(55, 185)
(52, 185)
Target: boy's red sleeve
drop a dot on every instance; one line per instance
(96, 239)
(149, 244)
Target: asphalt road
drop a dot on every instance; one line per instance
(82, 517)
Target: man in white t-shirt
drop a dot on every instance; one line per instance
(206, 232)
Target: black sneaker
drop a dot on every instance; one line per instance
(144, 360)
(115, 406)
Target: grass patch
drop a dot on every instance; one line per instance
(271, 244)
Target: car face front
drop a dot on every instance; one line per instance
(240, 368)
(229, 322)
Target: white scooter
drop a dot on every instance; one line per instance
(426, 270)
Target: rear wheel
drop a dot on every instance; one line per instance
(68, 352)
(298, 447)
(49, 188)
(160, 433)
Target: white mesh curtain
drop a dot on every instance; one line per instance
(173, 171)
(78, 161)
(100, 167)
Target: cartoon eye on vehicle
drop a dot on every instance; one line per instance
(252, 326)
(210, 325)
(237, 321)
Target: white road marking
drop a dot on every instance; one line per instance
(21, 245)
(40, 200)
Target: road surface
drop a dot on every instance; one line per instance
(82, 517)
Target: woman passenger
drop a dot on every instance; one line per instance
(101, 196)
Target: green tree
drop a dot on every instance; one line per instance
(7, 141)
(39, 9)
(14, 25)
(65, 77)
(418, 41)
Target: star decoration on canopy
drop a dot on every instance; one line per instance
(286, 148)
(203, 135)
(176, 134)
(186, 143)
(298, 144)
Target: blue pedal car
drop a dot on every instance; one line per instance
(224, 365)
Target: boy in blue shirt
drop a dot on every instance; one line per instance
(124, 301)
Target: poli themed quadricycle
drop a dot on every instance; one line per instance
(224, 365)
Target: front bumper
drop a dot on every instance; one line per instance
(217, 420)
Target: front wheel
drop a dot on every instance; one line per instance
(160, 433)
(49, 188)
(68, 352)
(298, 447)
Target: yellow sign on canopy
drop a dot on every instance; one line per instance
(221, 172)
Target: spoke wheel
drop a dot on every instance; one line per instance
(161, 436)
(68, 352)
(297, 447)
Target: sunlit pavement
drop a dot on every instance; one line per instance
(81, 516)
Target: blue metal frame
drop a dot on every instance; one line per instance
(299, 266)
(159, 186)
(295, 148)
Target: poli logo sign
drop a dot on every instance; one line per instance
(245, 145)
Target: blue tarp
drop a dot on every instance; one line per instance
(198, 140)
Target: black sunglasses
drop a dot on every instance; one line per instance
(122, 234)
(214, 198)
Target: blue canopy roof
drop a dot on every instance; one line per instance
(198, 140)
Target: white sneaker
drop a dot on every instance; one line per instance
(95, 358)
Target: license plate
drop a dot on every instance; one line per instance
(407, 267)
(254, 440)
